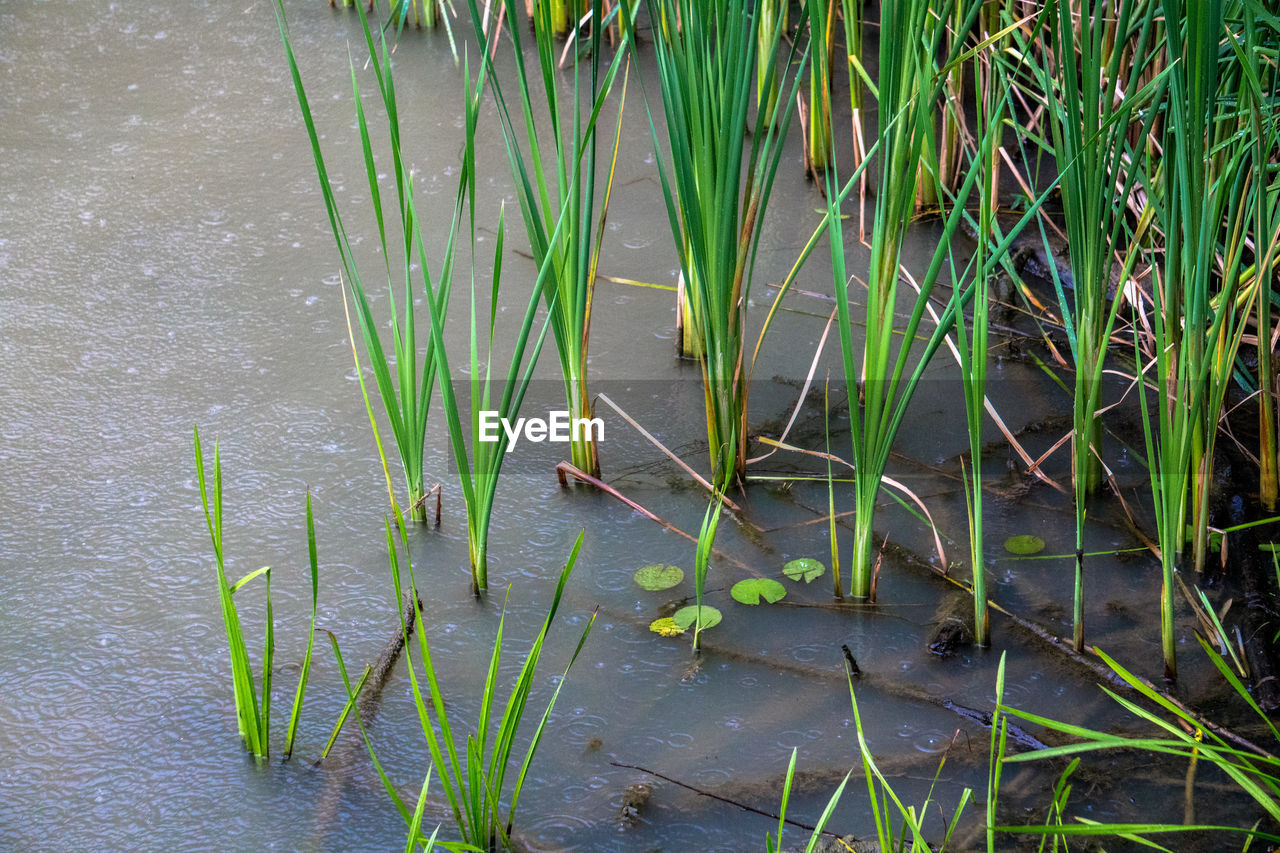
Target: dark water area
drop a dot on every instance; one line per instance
(166, 261)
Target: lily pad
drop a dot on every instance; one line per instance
(658, 577)
(804, 569)
(1024, 544)
(686, 616)
(751, 590)
(666, 626)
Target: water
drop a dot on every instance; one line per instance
(166, 262)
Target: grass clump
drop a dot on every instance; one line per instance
(474, 767)
(561, 182)
(253, 700)
(717, 187)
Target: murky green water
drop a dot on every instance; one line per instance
(166, 262)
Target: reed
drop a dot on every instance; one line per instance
(1091, 77)
(887, 807)
(474, 770)
(426, 13)
(480, 464)
(1178, 733)
(716, 189)
(404, 386)
(253, 704)
(562, 182)
(908, 92)
(563, 15)
(818, 140)
(1260, 78)
(702, 561)
(1207, 202)
(773, 19)
(473, 767)
(989, 112)
(773, 845)
(479, 470)
(857, 77)
(415, 823)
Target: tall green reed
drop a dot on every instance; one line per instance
(908, 93)
(773, 19)
(1259, 82)
(253, 708)
(887, 807)
(702, 561)
(1092, 78)
(818, 139)
(852, 60)
(562, 182)
(478, 472)
(1197, 195)
(480, 463)
(716, 197)
(990, 104)
(404, 389)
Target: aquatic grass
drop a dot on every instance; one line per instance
(478, 462)
(1091, 76)
(1258, 88)
(474, 772)
(473, 767)
(773, 845)
(1254, 772)
(562, 182)
(887, 806)
(405, 390)
(415, 824)
(819, 144)
(716, 189)
(773, 22)
(908, 91)
(253, 706)
(702, 561)
(1204, 198)
(991, 87)
(478, 472)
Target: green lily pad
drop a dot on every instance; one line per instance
(1024, 544)
(686, 616)
(751, 590)
(658, 577)
(666, 626)
(804, 569)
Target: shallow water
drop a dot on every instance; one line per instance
(166, 262)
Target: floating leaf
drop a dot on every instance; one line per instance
(666, 626)
(751, 590)
(686, 616)
(804, 569)
(1024, 544)
(658, 577)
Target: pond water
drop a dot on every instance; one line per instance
(166, 261)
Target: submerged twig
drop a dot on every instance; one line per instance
(567, 469)
(684, 466)
(705, 793)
